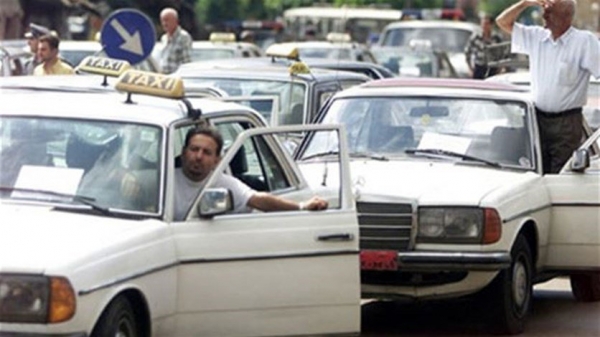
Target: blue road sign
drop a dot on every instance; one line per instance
(128, 34)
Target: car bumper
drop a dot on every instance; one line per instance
(453, 261)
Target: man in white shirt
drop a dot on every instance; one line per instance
(200, 155)
(561, 60)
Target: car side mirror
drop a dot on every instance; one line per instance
(215, 201)
(580, 160)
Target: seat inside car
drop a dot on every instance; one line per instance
(508, 144)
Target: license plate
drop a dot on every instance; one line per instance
(379, 260)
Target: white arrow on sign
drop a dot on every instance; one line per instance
(133, 43)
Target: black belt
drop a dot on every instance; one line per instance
(558, 114)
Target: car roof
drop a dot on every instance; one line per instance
(522, 78)
(436, 86)
(80, 45)
(108, 104)
(258, 67)
(434, 24)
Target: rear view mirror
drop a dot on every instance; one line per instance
(580, 160)
(215, 201)
(432, 111)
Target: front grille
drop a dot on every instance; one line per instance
(385, 226)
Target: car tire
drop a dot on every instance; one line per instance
(586, 286)
(117, 320)
(508, 298)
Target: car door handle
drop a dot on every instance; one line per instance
(336, 237)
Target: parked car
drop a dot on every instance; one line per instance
(445, 35)
(219, 46)
(84, 254)
(336, 47)
(415, 62)
(452, 199)
(294, 97)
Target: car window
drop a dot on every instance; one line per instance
(93, 159)
(255, 163)
(492, 130)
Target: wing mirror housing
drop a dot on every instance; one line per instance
(215, 201)
(580, 160)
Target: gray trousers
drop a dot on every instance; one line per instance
(560, 134)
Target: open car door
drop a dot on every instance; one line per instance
(574, 238)
(270, 274)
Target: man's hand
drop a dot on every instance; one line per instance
(315, 204)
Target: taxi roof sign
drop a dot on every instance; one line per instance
(103, 66)
(221, 37)
(153, 84)
(283, 50)
(338, 37)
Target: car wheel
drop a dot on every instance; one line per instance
(586, 286)
(118, 320)
(508, 297)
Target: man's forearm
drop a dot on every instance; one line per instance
(267, 203)
(509, 16)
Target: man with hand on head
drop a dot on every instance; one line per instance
(561, 60)
(200, 155)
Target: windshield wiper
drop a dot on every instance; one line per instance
(373, 156)
(439, 152)
(88, 201)
(321, 154)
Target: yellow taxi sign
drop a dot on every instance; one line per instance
(299, 68)
(283, 50)
(338, 37)
(103, 66)
(221, 37)
(153, 84)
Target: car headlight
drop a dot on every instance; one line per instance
(35, 299)
(459, 225)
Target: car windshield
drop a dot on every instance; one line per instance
(114, 165)
(407, 62)
(290, 94)
(493, 130)
(441, 38)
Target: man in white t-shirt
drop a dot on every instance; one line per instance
(561, 59)
(200, 155)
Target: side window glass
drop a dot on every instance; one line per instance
(256, 165)
(275, 175)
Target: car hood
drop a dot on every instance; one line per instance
(427, 182)
(35, 239)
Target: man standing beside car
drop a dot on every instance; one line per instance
(561, 60)
(177, 43)
(476, 50)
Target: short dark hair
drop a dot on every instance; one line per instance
(52, 40)
(206, 131)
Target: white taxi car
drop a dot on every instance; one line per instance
(451, 197)
(89, 246)
(219, 46)
(336, 47)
